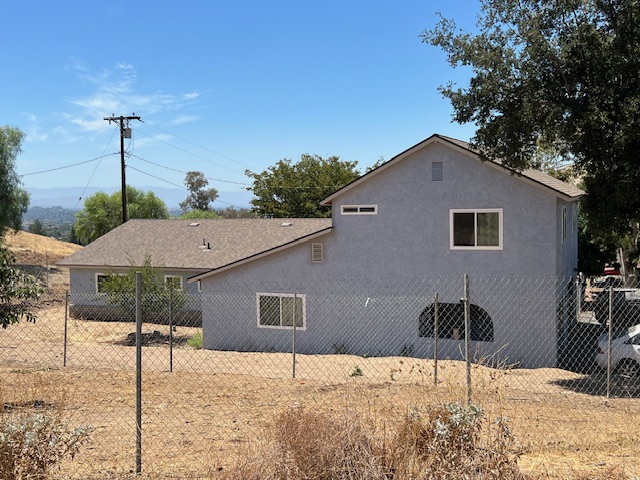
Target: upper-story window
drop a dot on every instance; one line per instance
(437, 173)
(359, 209)
(479, 229)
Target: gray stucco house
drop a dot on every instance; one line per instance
(181, 249)
(435, 210)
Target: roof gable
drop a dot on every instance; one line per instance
(536, 177)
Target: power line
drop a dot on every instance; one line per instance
(184, 173)
(68, 166)
(190, 153)
(199, 146)
(175, 184)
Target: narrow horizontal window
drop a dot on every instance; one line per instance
(359, 209)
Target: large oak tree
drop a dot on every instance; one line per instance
(561, 76)
(102, 212)
(289, 189)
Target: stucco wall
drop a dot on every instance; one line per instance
(409, 237)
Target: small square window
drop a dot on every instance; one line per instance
(173, 282)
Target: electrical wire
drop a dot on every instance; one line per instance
(184, 173)
(188, 152)
(176, 185)
(196, 145)
(68, 166)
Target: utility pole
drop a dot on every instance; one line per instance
(125, 132)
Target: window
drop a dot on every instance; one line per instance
(278, 310)
(564, 223)
(316, 252)
(476, 229)
(173, 281)
(100, 279)
(451, 322)
(436, 171)
(359, 210)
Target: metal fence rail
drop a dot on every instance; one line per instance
(529, 349)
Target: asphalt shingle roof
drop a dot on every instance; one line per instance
(178, 243)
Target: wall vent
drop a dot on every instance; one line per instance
(316, 252)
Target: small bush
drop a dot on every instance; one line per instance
(31, 445)
(356, 372)
(444, 442)
(195, 341)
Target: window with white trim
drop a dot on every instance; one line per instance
(476, 229)
(359, 209)
(280, 310)
(173, 281)
(100, 279)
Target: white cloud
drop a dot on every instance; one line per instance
(115, 94)
(33, 129)
(181, 119)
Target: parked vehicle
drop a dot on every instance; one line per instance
(625, 352)
(625, 303)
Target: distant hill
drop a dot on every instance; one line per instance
(70, 197)
(31, 249)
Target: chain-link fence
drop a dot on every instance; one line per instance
(176, 386)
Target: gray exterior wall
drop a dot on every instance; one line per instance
(409, 237)
(87, 304)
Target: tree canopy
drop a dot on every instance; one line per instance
(14, 200)
(200, 198)
(559, 75)
(290, 189)
(17, 290)
(102, 212)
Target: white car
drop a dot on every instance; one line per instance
(625, 352)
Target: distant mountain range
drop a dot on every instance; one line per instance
(74, 197)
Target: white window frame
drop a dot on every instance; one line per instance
(358, 209)
(302, 297)
(452, 212)
(98, 275)
(180, 287)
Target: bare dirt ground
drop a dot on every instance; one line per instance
(212, 407)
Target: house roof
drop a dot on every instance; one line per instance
(181, 244)
(558, 187)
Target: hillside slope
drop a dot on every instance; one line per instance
(32, 249)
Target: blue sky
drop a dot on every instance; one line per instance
(221, 87)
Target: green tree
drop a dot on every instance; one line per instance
(14, 200)
(232, 212)
(290, 189)
(196, 214)
(200, 197)
(37, 227)
(17, 290)
(102, 213)
(156, 292)
(560, 75)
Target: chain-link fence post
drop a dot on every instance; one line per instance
(66, 322)
(467, 336)
(138, 372)
(435, 340)
(170, 328)
(293, 345)
(610, 330)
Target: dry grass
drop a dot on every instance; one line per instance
(217, 410)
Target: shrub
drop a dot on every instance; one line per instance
(31, 445)
(195, 341)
